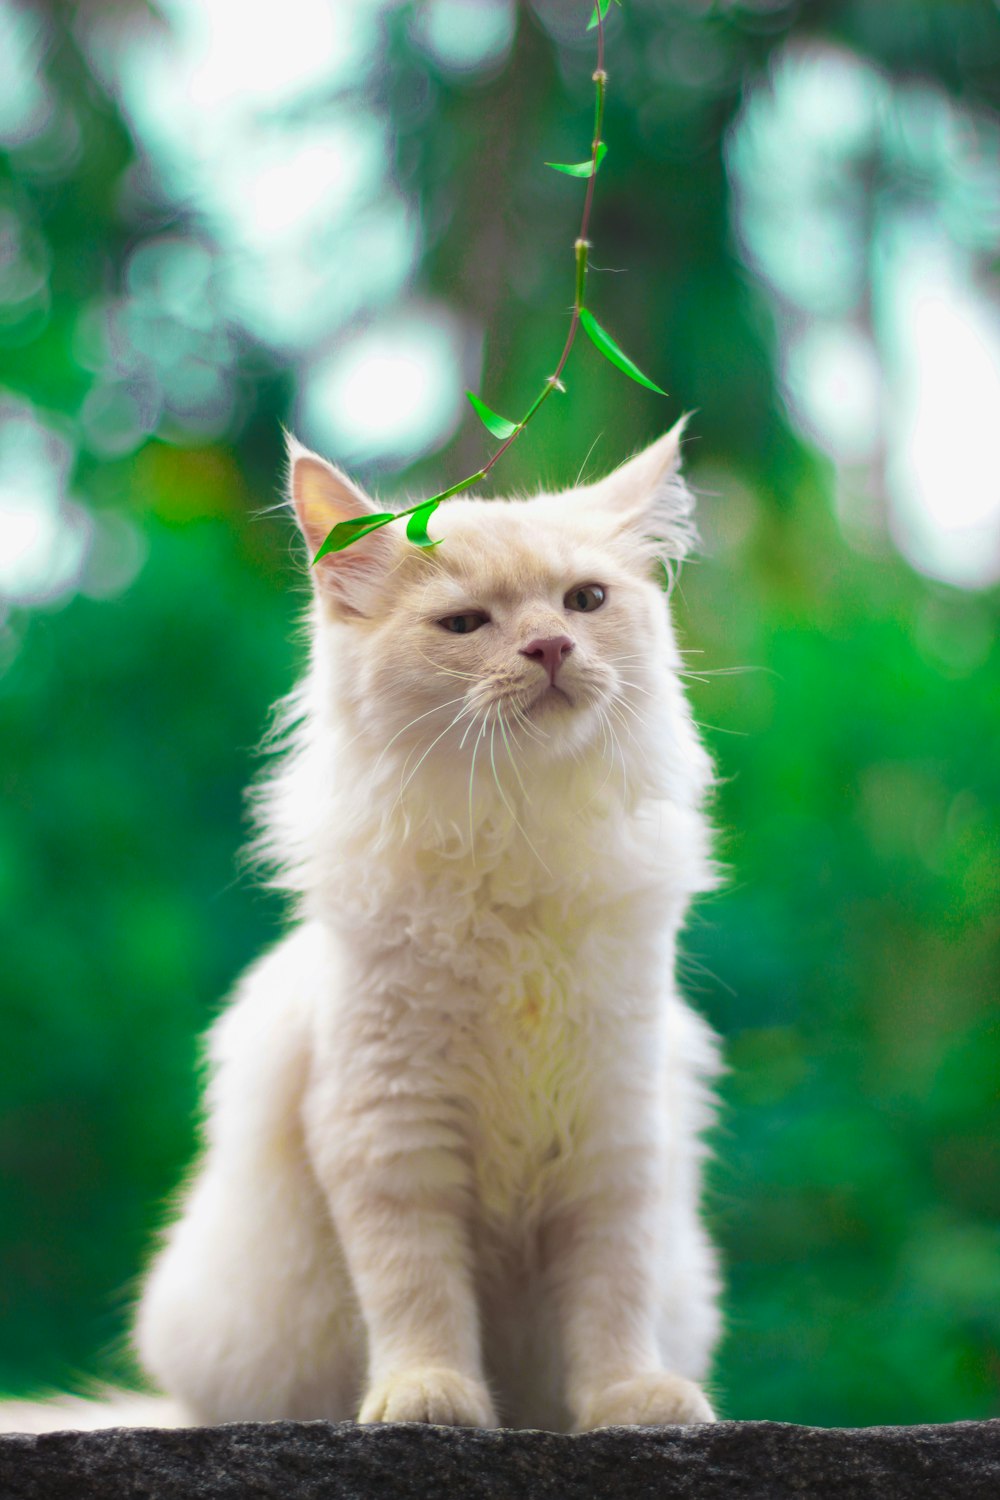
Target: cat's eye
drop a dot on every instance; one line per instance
(464, 624)
(585, 598)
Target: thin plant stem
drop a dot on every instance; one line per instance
(580, 248)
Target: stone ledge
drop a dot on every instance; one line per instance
(318, 1461)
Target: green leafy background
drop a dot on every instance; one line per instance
(851, 960)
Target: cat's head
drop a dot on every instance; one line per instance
(540, 622)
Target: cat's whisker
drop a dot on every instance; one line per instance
(438, 707)
(448, 671)
(510, 753)
(609, 744)
(619, 707)
(471, 726)
(621, 755)
(623, 722)
(601, 718)
(503, 796)
(616, 708)
(622, 705)
(609, 749)
(472, 772)
(686, 962)
(586, 460)
(533, 731)
(452, 672)
(729, 671)
(408, 778)
(719, 729)
(463, 700)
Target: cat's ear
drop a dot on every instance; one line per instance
(322, 497)
(646, 494)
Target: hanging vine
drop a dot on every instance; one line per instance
(581, 316)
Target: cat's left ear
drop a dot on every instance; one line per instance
(323, 496)
(647, 494)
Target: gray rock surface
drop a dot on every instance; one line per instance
(310, 1460)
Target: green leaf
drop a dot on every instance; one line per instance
(581, 168)
(499, 426)
(346, 532)
(611, 351)
(416, 526)
(604, 4)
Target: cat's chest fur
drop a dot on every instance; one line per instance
(527, 1083)
(521, 983)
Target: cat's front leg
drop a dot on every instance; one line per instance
(603, 1257)
(397, 1188)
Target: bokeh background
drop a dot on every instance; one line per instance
(215, 218)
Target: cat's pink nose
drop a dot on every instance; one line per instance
(549, 653)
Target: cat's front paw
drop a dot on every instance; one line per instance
(652, 1400)
(429, 1394)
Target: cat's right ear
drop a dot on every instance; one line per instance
(322, 497)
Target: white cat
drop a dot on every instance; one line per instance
(451, 1168)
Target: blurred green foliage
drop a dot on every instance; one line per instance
(851, 962)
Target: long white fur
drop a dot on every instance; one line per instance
(451, 1168)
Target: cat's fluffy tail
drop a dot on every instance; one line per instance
(104, 1408)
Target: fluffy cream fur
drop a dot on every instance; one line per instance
(451, 1167)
